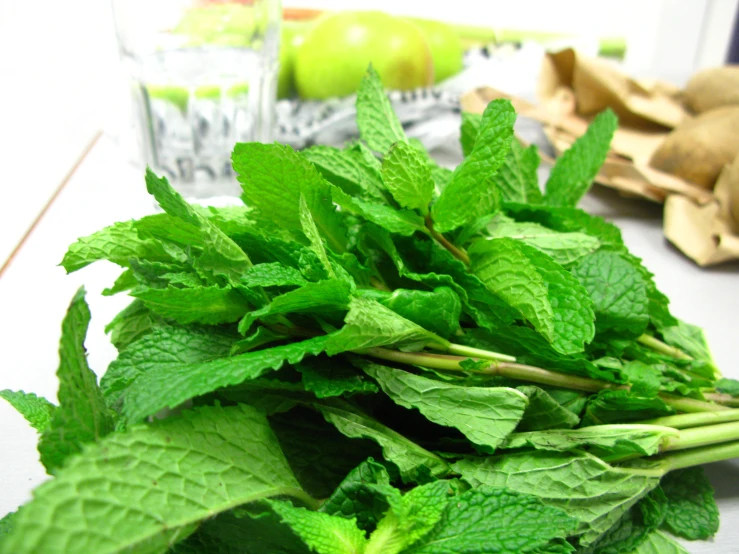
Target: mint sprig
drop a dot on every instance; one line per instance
(380, 355)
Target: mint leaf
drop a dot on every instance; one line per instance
(208, 305)
(327, 378)
(401, 222)
(624, 440)
(563, 248)
(323, 533)
(35, 409)
(125, 281)
(438, 310)
(688, 338)
(658, 542)
(370, 324)
(691, 509)
(357, 496)
(471, 192)
(485, 415)
(222, 256)
(82, 416)
(133, 322)
(576, 168)
(413, 461)
(544, 412)
(223, 456)
(495, 520)
(320, 456)
(378, 125)
(272, 274)
(728, 386)
(118, 243)
(166, 346)
(410, 517)
(169, 386)
(618, 291)
(324, 297)
(517, 179)
(407, 177)
(350, 170)
(549, 297)
(311, 231)
(581, 485)
(468, 131)
(612, 406)
(645, 380)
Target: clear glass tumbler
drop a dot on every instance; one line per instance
(203, 76)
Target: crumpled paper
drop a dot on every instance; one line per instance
(709, 234)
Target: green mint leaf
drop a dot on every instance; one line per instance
(273, 176)
(658, 542)
(82, 416)
(544, 412)
(728, 386)
(691, 509)
(327, 378)
(640, 440)
(412, 460)
(223, 456)
(517, 179)
(408, 178)
(378, 125)
(6, 524)
(495, 520)
(468, 131)
(272, 274)
(618, 291)
(645, 380)
(320, 456)
(35, 409)
(688, 338)
(258, 338)
(581, 485)
(370, 324)
(324, 297)
(471, 192)
(166, 227)
(545, 294)
(118, 243)
(165, 346)
(485, 415)
(563, 248)
(401, 222)
(323, 533)
(410, 517)
(576, 168)
(311, 231)
(438, 310)
(620, 406)
(208, 305)
(125, 281)
(221, 255)
(354, 170)
(169, 386)
(357, 496)
(130, 324)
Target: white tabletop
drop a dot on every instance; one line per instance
(34, 293)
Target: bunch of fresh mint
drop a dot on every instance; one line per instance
(379, 355)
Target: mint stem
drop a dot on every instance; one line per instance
(471, 352)
(503, 369)
(691, 405)
(725, 399)
(684, 421)
(663, 348)
(441, 239)
(702, 436)
(699, 456)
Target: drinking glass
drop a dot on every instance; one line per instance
(203, 76)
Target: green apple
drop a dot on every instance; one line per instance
(446, 47)
(338, 48)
